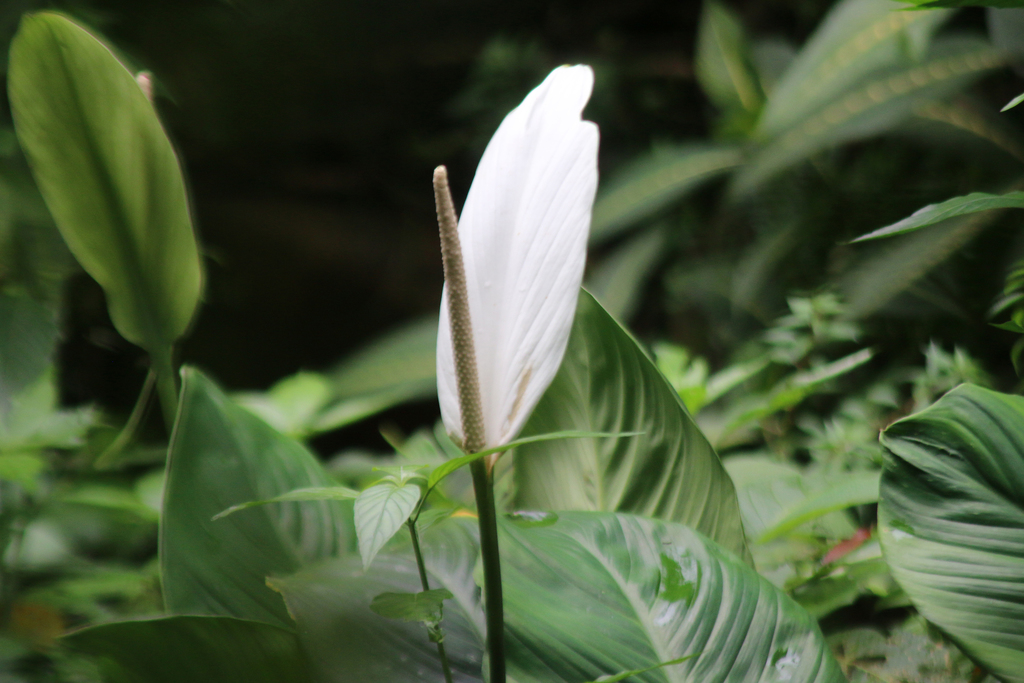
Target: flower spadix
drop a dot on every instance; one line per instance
(523, 236)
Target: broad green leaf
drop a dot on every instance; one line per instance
(346, 641)
(655, 181)
(951, 516)
(28, 333)
(381, 510)
(308, 494)
(636, 672)
(618, 281)
(893, 268)
(648, 592)
(109, 176)
(723, 64)
(857, 39)
(957, 206)
(607, 383)
(425, 606)
(855, 488)
(883, 101)
(197, 649)
(222, 455)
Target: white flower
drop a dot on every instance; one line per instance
(524, 233)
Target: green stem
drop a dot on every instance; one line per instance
(166, 387)
(494, 608)
(445, 666)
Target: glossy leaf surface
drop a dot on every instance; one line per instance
(195, 649)
(607, 383)
(598, 593)
(109, 176)
(951, 516)
(347, 641)
(223, 455)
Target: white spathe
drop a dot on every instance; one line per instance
(524, 233)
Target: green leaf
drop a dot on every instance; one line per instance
(768, 490)
(607, 383)
(34, 421)
(854, 488)
(28, 334)
(222, 455)
(618, 281)
(314, 493)
(655, 181)
(346, 641)
(425, 606)
(857, 39)
(1016, 100)
(885, 100)
(957, 206)
(198, 649)
(651, 592)
(894, 268)
(723, 65)
(449, 466)
(906, 655)
(398, 367)
(381, 510)
(951, 516)
(109, 176)
(292, 405)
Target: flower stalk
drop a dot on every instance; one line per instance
(471, 410)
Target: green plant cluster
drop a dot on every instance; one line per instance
(665, 515)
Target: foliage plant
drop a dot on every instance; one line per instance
(605, 537)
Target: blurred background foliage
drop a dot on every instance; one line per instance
(744, 144)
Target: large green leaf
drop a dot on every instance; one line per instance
(222, 455)
(587, 595)
(723, 64)
(598, 593)
(883, 101)
(654, 181)
(194, 649)
(109, 176)
(951, 515)
(607, 383)
(856, 39)
(957, 206)
(347, 641)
